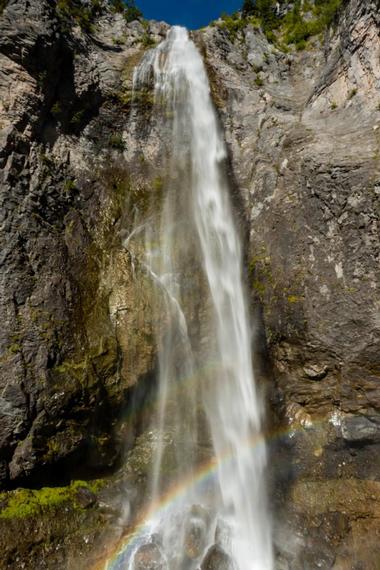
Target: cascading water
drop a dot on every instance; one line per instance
(208, 414)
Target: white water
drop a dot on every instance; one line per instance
(206, 384)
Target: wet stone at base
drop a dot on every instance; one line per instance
(149, 557)
(217, 559)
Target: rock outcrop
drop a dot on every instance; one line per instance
(79, 167)
(303, 132)
(76, 332)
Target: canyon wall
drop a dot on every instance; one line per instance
(80, 165)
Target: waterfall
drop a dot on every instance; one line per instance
(208, 415)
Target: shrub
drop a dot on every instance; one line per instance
(248, 8)
(292, 27)
(131, 12)
(83, 15)
(233, 24)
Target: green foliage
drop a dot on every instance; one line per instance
(147, 40)
(292, 28)
(248, 8)
(266, 11)
(116, 141)
(69, 186)
(297, 30)
(26, 502)
(118, 5)
(131, 12)
(83, 15)
(233, 24)
(259, 82)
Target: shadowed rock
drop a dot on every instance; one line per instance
(217, 559)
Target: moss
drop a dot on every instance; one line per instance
(75, 370)
(333, 106)
(69, 186)
(27, 502)
(294, 299)
(259, 82)
(259, 287)
(116, 141)
(14, 348)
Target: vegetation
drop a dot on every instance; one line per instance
(85, 16)
(292, 27)
(116, 141)
(131, 12)
(27, 502)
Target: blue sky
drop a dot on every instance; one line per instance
(190, 13)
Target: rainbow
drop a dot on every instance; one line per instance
(205, 474)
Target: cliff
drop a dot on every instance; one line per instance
(79, 161)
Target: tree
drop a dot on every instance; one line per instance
(248, 8)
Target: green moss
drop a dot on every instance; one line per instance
(14, 348)
(69, 186)
(333, 105)
(27, 502)
(259, 82)
(72, 367)
(294, 299)
(116, 141)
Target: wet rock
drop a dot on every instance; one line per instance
(195, 537)
(217, 559)
(85, 498)
(360, 430)
(223, 535)
(149, 557)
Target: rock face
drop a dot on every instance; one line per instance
(79, 167)
(76, 333)
(303, 132)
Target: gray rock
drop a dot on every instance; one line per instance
(360, 429)
(217, 559)
(149, 557)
